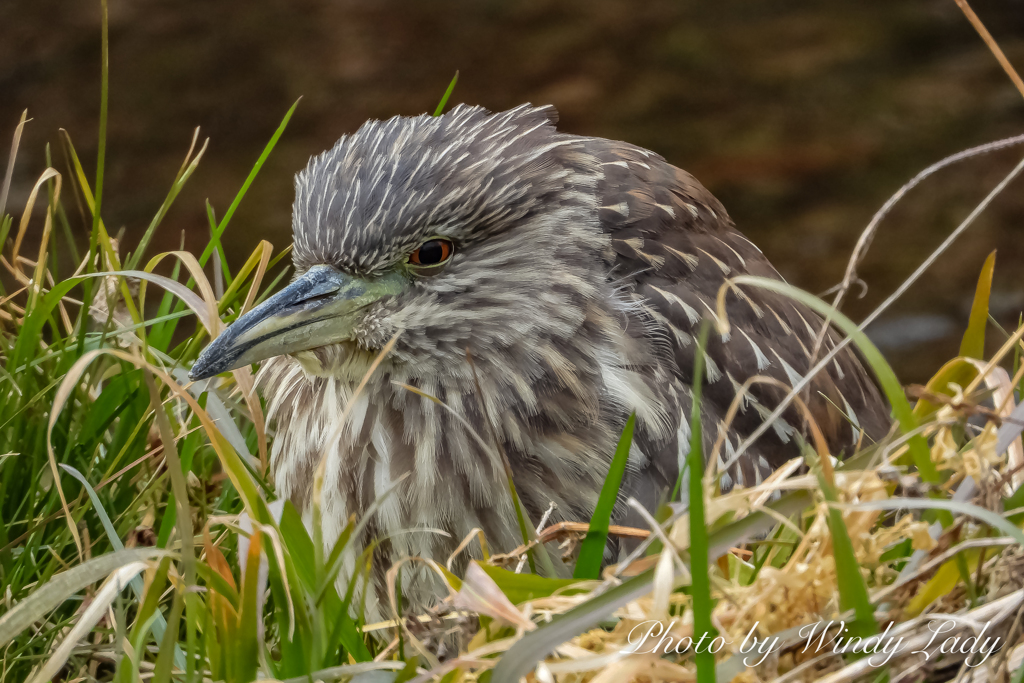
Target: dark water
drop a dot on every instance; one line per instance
(801, 116)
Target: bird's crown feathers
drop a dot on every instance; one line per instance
(382, 190)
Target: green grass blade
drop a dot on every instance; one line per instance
(162, 669)
(179, 183)
(588, 565)
(346, 631)
(335, 561)
(115, 540)
(700, 588)
(273, 283)
(408, 673)
(128, 667)
(5, 228)
(101, 151)
(149, 610)
(101, 148)
(218, 583)
(246, 646)
(890, 385)
(853, 593)
(447, 94)
(519, 588)
(178, 485)
(973, 344)
(957, 371)
(215, 240)
(5, 186)
(299, 545)
(218, 247)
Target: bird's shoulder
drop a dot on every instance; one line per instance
(673, 245)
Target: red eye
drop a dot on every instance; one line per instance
(432, 253)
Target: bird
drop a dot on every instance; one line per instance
(532, 289)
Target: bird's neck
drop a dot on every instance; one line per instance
(554, 409)
(446, 440)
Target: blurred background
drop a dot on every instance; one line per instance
(803, 117)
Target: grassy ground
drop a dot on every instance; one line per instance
(124, 490)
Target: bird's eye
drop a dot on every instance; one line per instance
(432, 253)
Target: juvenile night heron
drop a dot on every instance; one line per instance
(575, 271)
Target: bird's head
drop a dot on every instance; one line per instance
(470, 230)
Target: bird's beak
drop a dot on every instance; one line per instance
(317, 309)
